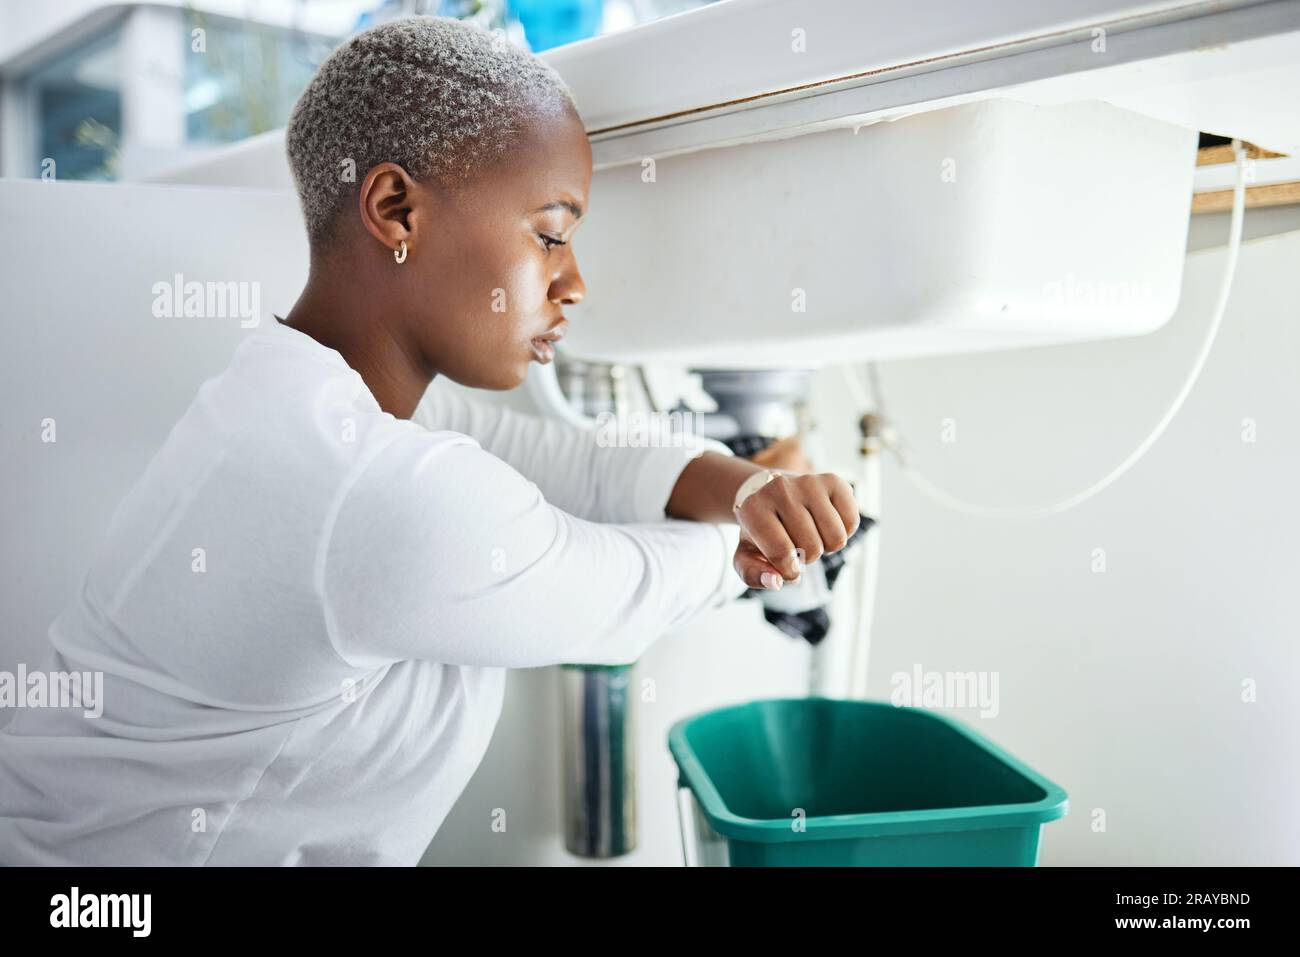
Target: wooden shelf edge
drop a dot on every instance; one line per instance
(1273, 194)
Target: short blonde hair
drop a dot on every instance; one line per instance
(435, 95)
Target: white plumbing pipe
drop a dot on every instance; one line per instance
(868, 559)
(543, 387)
(839, 665)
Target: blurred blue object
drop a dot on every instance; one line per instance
(553, 23)
(387, 10)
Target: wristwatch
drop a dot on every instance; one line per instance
(754, 483)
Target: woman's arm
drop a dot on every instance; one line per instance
(441, 551)
(697, 482)
(706, 488)
(601, 483)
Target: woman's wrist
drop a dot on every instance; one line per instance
(706, 489)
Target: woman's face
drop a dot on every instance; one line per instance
(491, 265)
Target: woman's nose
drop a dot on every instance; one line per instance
(569, 290)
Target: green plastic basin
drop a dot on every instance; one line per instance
(821, 781)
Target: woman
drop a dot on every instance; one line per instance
(306, 606)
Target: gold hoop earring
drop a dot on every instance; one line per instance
(400, 255)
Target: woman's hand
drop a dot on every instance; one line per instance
(790, 521)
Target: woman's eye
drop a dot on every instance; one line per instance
(550, 242)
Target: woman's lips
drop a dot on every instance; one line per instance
(544, 345)
(543, 350)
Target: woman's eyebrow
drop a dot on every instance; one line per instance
(572, 207)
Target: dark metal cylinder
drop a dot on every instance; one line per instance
(599, 760)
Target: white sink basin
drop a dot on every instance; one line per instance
(992, 225)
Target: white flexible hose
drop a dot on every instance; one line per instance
(866, 562)
(894, 444)
(868, 579)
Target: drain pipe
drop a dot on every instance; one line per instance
(599, 760)
(598, 713)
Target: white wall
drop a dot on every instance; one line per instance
(77, 266)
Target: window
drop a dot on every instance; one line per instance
(246, 77)
(75, 105)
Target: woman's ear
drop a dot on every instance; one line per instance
(387, 200)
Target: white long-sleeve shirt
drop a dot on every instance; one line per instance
(304, 609)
